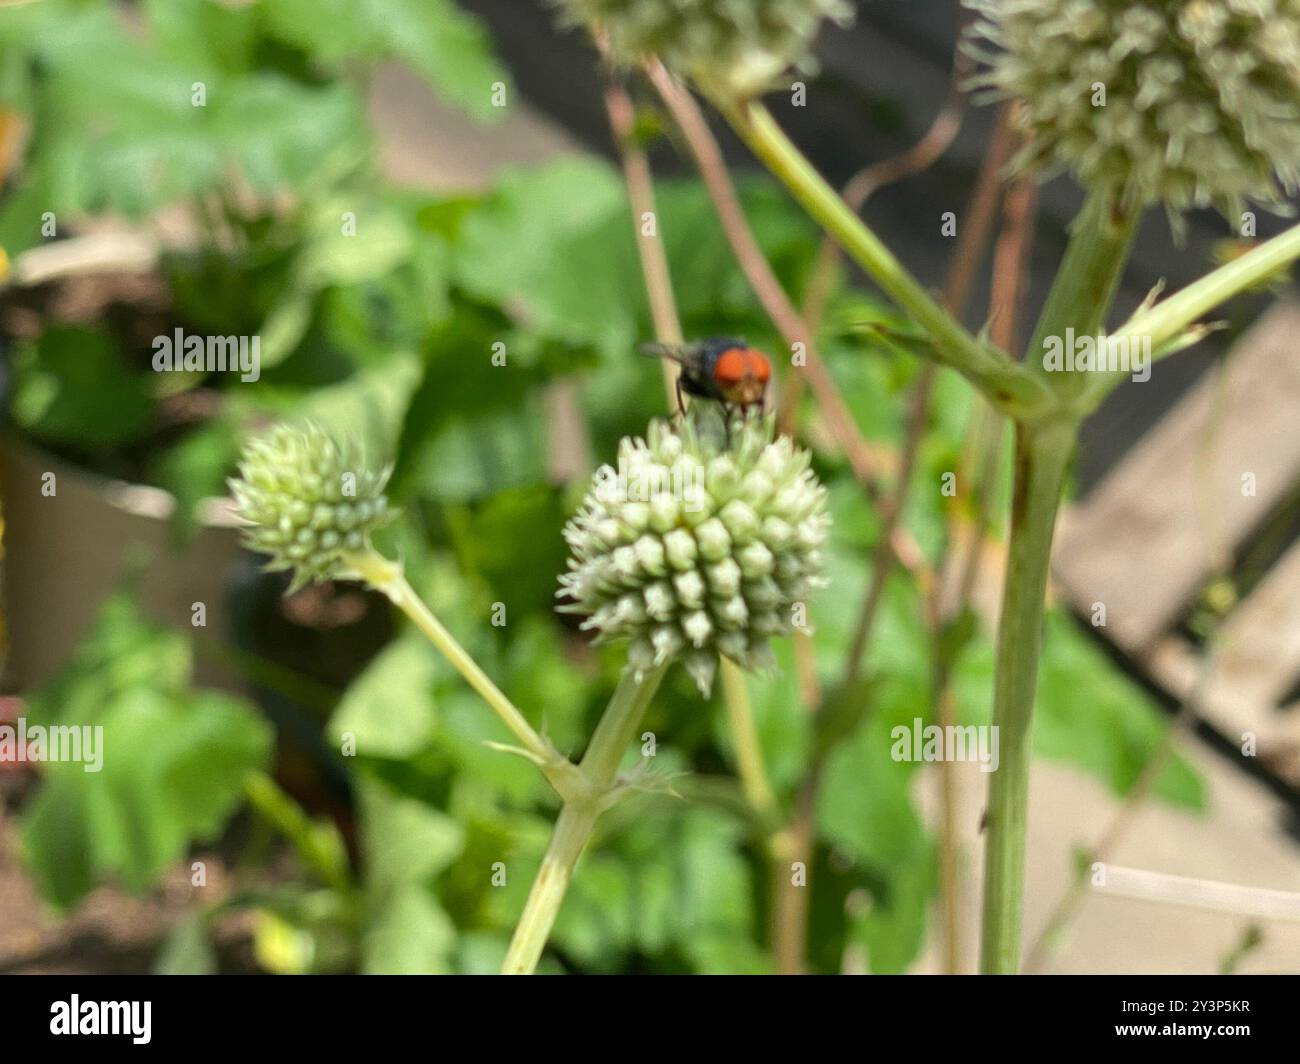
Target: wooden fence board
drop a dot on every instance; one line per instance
(1144, 542)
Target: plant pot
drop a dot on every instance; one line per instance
(66, 552)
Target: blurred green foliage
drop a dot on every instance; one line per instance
(174, 760)
(388, 336)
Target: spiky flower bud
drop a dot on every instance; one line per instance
(1189, 102)
(734, 48)
(309, 501)
(702, 542)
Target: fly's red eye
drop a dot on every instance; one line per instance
(741, 364)
(731, 367)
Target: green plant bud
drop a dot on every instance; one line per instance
(757, 487)
(777, 532)
(610, 533)
(723, 479)
(713, 540)
(625, 566)
(697, 628)
(735, 48)
(724, 578)
(680, 548)
(1190, 102)
(755, 560)
(631, 611)
(664, 512)
(635, 516)
(732, 612)
(650, 555)
(718, 584)
(308, 502)
(763, 593)
(668, 641)
(740, 520)
(702, 666)
(659, 601)
(691, 589)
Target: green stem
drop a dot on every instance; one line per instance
(1170, 326)
(1042, 453)
(1166, 319)
(618, 725)
(615, 732)
(1085, 285)
(1100, 241)
(1007, 385)
(387, 576)
(318, 846)
(744, 734)
(572, 830)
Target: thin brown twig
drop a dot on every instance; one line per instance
(923, 154)
(984, 442)
(753, 263)
(805, 665)
(861, 187)
(1009, 255)
(1010, 262)
(1007, 285)
(891, 510)
(979, 215)
(793, 916)
(641, 196)
(936, 140)
(790, 924)
(1010, 258)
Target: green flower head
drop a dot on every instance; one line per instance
(731, 48)
(702, 542)
(309, 502)
(1190, 102)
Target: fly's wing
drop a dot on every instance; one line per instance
(673, 352)
(695, 378)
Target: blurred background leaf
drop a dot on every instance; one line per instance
(174, 760)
